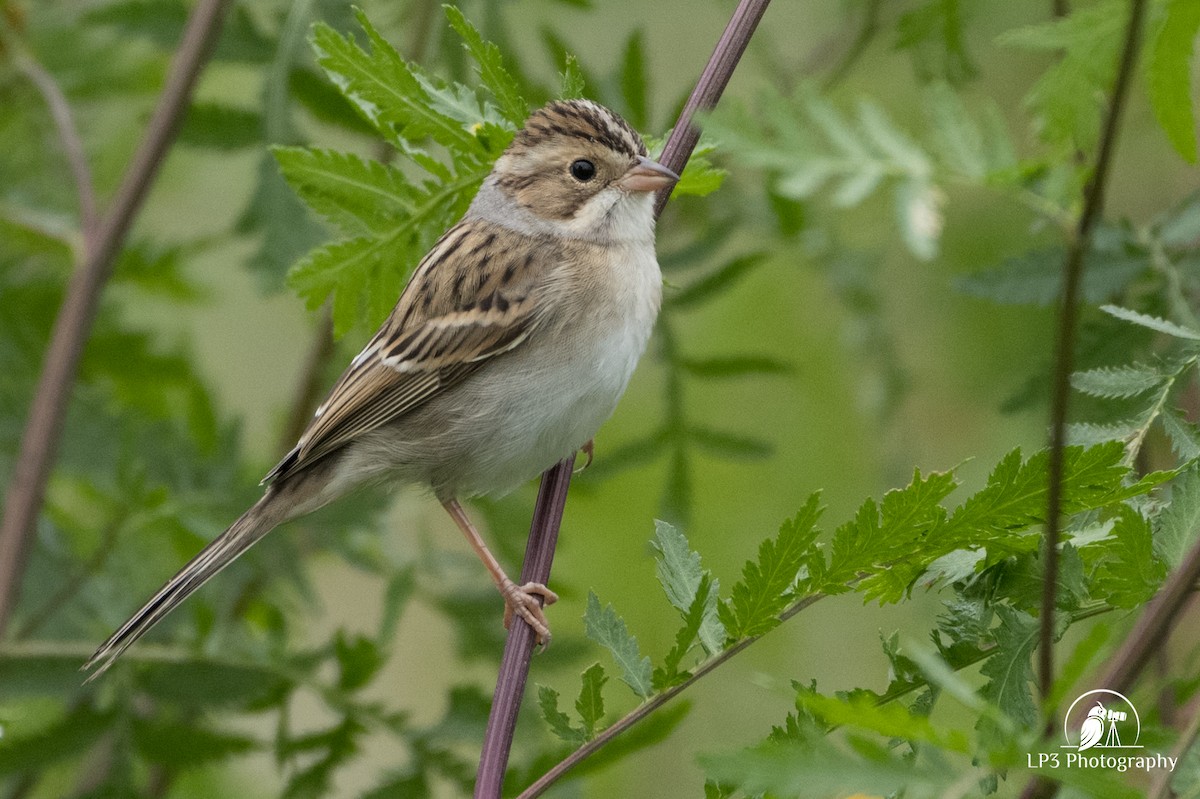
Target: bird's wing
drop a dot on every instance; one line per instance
(476, 295)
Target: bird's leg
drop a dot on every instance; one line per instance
(589, 449)
(521, 599)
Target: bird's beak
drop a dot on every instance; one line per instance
(647, 175)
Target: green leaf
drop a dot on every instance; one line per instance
(358, 195)
(205, 683)
(572, 83)
(385, 89)
(1169, 75)
(634, 80)
(729, 445)
(1134, 574)
(880, 534)
(1010, 670)
(184, 745)
(700, 178)
(716, 282)
(1067, 99)
(358, 659)
(1114, 382)
(221, 127)
(679, 572)
(1035, 278)
(558, 721)
(1183, 434)
(1152, 322)
(670, 675)
(766, 588)
(890, 720)
(590, 703)
(606, 628)
(490, 64)
(70, 736)
(934, 33)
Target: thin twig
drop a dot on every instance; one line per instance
(1161, 787)
(47, 411)
(68, 136)
(514, 670)
(518, 648)
(1093, 206)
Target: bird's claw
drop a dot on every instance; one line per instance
(589, 449)
(522, 600)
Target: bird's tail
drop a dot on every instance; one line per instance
(241, 535)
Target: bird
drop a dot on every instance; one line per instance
(1092, 728)
(510, 345)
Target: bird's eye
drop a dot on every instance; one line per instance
(583, 170)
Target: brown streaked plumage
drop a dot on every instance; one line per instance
(511, 344)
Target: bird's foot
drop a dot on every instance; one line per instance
(522, 600)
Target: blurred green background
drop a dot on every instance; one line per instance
(889, 366)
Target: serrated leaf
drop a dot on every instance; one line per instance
(679, 572)
(606, 628)
(885, 532)
(558, 721)
(1087, 434)
(890, 720)
(385, 89)
(1169, 75)
(590, 704)
(490, 64)
(766, 586)
(1114, 382)
(571, 80)
(1152, 322)
(700, 178)
(1067, 97)
(959, 137)
(358, 195)
(1010, 670)
(1184, 438)
(1035, 278)
(1133, 574)
(685, 638)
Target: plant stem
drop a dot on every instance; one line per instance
(1073, 266)
(518, 647)
(510, 682)
(47, 413)
(1093, 204)
(68, 136)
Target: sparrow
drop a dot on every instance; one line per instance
(509, 347)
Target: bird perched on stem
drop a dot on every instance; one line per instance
(511, 344)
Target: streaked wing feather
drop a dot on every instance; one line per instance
(421, 351)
